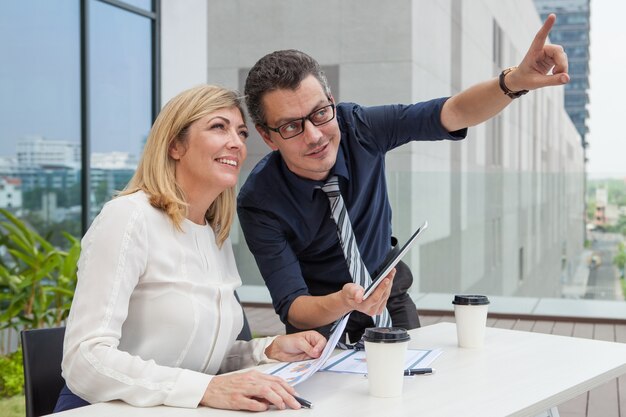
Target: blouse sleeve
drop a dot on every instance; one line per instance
(114, 255)
(244, 354)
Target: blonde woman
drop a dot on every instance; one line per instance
(154, 318)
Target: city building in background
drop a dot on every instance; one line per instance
(11, 194)
(606, 213)
(42, 182)
(35, 151)
(571, 30)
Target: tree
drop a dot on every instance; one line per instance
(620, 258)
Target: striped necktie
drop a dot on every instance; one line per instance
(356, 266)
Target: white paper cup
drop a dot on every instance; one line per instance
(470, 312)
(385, 352)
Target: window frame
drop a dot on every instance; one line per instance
(85, 139)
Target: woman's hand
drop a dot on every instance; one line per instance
(296, 346)
(252, 391)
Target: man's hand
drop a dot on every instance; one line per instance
(252, 391)
(352, 295)
(308, 311)
(296, 346)
(544, 64)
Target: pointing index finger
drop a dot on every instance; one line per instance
(542, 35)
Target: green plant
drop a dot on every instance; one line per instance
(37, 280)
(11, 374)
(620, 258)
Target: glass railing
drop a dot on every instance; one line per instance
(514, 234)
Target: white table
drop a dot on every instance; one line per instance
(515, 374)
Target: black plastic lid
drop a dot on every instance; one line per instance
(386, 335)
(470, 300)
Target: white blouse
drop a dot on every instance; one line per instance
(154, 315)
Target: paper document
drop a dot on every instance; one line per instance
(354, 361)
(296, 372)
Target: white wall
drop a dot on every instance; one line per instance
(184, 48)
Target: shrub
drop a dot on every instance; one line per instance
(11, 374)
(37, 280)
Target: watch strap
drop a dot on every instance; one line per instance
(505, 89)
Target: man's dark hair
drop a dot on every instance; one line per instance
(279, 70)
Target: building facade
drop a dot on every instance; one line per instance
(504, 206)
(11, 193)
(35, 151)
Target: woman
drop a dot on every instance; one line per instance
(154, 316)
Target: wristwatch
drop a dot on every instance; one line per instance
(503, 87)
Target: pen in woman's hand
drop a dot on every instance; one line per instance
(304, 403)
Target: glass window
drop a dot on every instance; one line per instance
(142, 4)
(120, 104)
(40, 114)
(41, 109)
(574, 19)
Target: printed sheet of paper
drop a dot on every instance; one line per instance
(354, 361)
(296, 372)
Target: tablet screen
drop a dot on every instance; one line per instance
(393, 261)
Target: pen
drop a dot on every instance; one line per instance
(418, 371)
(304, 403)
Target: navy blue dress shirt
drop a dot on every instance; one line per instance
(286, 219)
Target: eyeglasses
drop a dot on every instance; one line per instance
(317, 117)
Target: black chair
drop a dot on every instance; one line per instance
(42, 350)
(245, 333)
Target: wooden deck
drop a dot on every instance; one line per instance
(608, 400)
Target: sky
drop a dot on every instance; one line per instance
(607, 94)
(40, 73)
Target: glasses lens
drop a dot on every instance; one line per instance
(291, 129)
(323, 115)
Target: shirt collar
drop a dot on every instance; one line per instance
(306, 188)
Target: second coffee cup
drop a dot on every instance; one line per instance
(470, 313)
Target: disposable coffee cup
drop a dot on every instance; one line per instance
(470, 312)
(385, 352)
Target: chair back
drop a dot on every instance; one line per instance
(246, 333)
(42, 351)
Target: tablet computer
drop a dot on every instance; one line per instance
(391, 263)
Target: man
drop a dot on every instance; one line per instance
(298, 240)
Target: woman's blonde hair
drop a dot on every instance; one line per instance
(156, 171)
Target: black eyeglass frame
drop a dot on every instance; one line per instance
(303, 120)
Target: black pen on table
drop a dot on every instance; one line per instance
(418, 371)
(304, 403)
